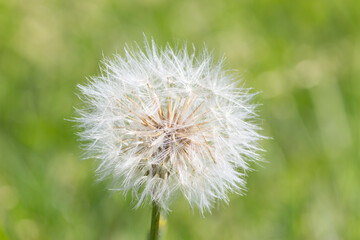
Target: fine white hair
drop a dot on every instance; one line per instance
(162, 121)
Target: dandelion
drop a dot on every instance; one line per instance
(163, 121)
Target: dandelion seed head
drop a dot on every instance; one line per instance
(166, 121)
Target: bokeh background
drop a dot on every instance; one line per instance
(304, 57)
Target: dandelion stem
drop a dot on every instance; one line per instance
(155, 217)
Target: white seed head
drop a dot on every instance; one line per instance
(165, 121)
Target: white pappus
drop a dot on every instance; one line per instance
(163, 121)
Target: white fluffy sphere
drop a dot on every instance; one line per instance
(162, 121)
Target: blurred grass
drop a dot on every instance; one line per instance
(304, 56)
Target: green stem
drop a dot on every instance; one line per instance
(155, 217)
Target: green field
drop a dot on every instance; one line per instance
(303, 56)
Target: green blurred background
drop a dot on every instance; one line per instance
(304, 56)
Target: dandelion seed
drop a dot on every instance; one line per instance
(163, 121)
